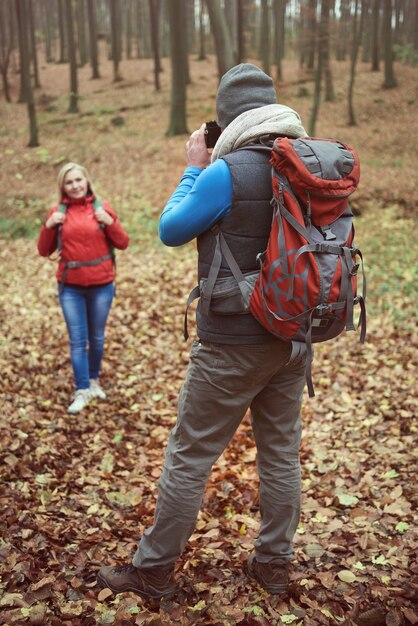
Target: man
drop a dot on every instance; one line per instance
(236, 363)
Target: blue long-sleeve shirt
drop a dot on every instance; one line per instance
(202, 198)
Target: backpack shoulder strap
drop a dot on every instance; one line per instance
(61, 209)
(97, 204)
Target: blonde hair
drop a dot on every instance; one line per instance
(64, 171)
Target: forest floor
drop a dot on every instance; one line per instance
(77, 492)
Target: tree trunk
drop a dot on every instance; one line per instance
(202, 48)
(47, 30)
(6, 45)
(344, 30)
(81, 29)
(231, 20)
(116, 38)
(61, 27)
(223, 43)
(318, 80)
(184, 41)
(73, 105)
(366, 39)
(178, 79)
(390, 80)
(375, 35)
(302, 36)
(128, 20)
(22, 11)
(154, 9)
(279, 35)
(33, 50)
(329, 87)
(354, 49)
(191, 29)
(397, 35)
(240, 32)
(94, 52)
(23, 51)
(413, 26)
(311, 34)
(265, 36)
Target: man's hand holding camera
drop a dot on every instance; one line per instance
(197, 152)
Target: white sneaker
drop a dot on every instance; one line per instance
(95, 390)
(81, 399)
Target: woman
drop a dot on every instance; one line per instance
(84, 230)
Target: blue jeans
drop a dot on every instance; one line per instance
(86, 310)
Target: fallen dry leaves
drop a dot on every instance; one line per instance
(78, 491)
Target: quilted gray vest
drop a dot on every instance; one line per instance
(246, 231)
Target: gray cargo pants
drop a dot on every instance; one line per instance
(222, 381)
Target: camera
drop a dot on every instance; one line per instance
(212, 133)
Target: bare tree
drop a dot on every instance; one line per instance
(222, 37)
(62, 32)
(33, 50)
(390, 80)
(202, 47)
(279, 23)
(116, 38)
(22, 11)
(184, 41)
(177, 124)
(329, 86)
(6, 45)
(357, 34)
(344, 32)
(265, 36)
(318, 80)
(73, 105)
(94, 52)
(311, 33)
(240, 32)
(367, 29)
(375, 35)
(128, 22)
(154, 9)
(81, 32)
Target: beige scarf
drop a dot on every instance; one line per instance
(249, 126)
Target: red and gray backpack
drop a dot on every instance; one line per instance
(306, 288)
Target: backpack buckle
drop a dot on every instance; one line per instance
(354, 269)
(327, 233)
(322, 309)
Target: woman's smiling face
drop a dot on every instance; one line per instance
(75, 184)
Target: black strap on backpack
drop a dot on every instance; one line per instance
(221, 249)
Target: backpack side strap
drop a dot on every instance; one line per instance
(221, 250)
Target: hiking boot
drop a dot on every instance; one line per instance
(152, 583)
(81, 399)
(272, 576)
(95, 390)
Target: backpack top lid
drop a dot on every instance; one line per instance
(319, 167)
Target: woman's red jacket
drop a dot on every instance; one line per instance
(84, 240)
